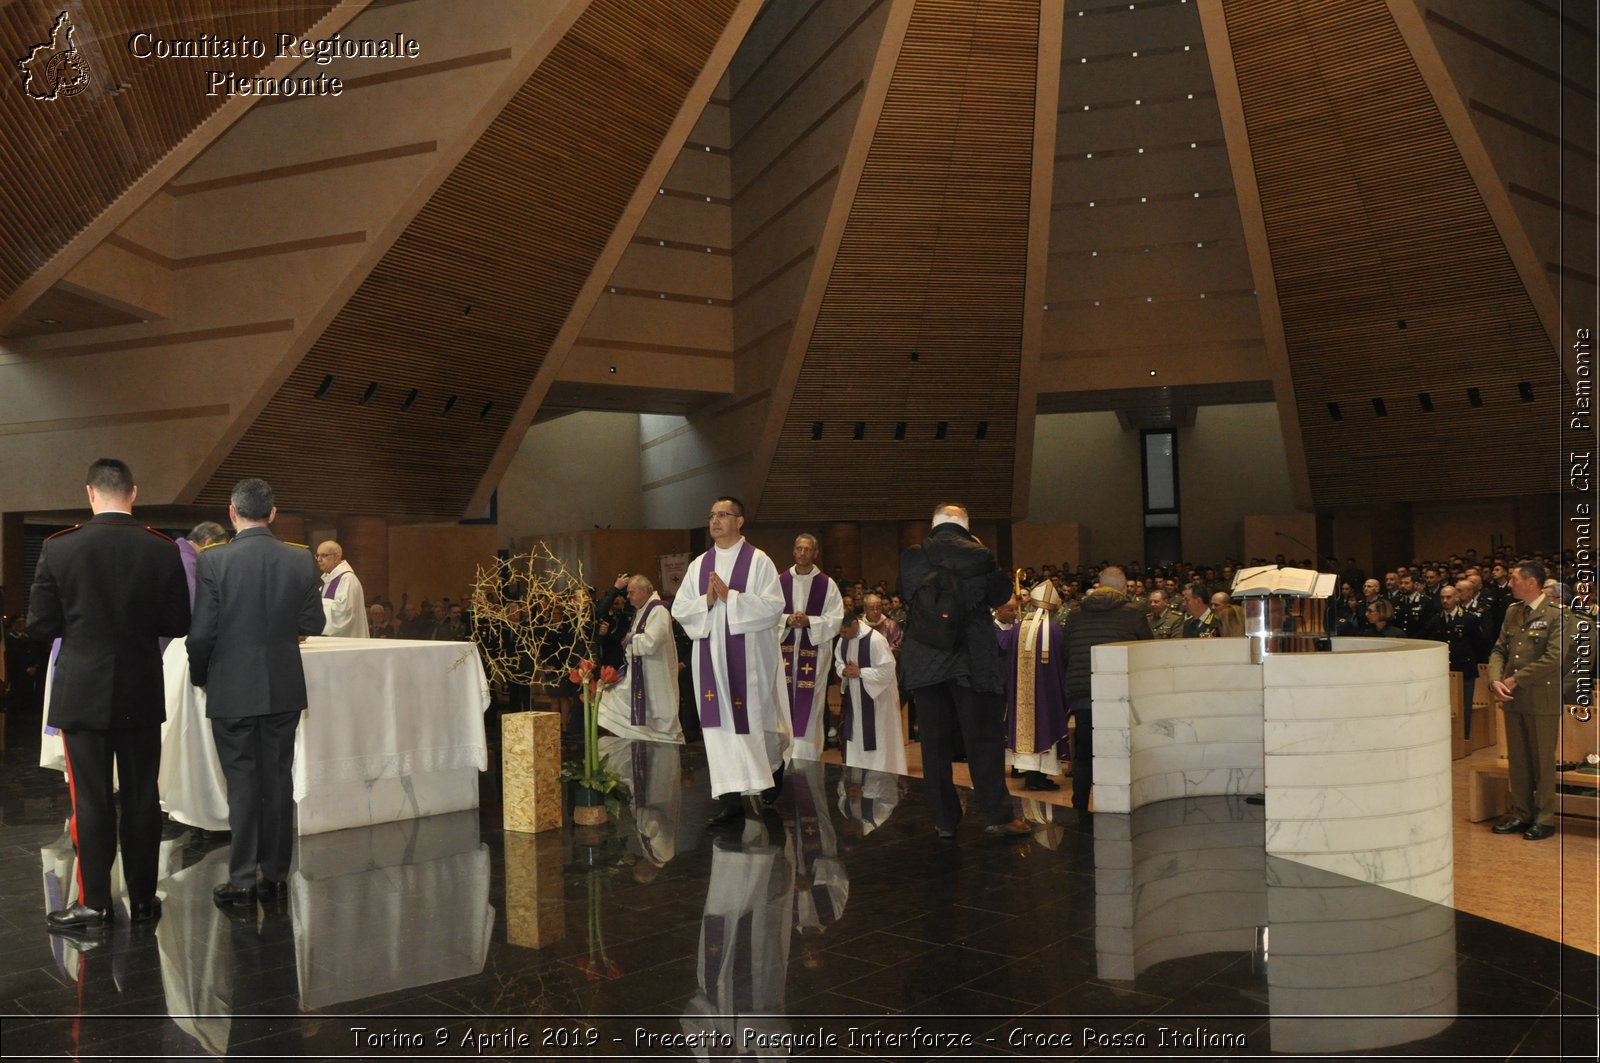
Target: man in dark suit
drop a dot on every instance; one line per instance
(959, 685)
(253, 599)
(110, 589)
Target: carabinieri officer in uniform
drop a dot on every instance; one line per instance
(110, 590)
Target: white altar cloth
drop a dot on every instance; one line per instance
(393, 730)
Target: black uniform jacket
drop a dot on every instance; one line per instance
(110, 590)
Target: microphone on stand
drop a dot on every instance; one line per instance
(1297, 542)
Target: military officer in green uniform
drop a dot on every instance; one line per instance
(1165, 621)
(1525, 673)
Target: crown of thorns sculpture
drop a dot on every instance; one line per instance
(531, 617)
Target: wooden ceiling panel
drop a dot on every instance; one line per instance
(512, 233)
(931, 267)
(1391, 275)
(68, 159)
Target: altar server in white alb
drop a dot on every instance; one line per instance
(729, 605)
(813, 610)
(869, 699)
(343, 603)
(643, 705)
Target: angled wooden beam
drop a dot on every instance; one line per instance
(694, 104)
(1219, 52)
(833, 230)
(156, 178)
(1046, 101)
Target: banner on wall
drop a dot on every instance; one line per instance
(672, 566)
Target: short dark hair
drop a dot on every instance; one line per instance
(207, 531)
(110, 476)
(738, 506)
(1533, 570)
(252, 498)
(850, 617)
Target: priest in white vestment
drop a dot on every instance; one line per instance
(344, 606)
(813, 610)
(869, 721)
(643, 705)
(729, 604)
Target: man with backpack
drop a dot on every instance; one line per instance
(951, 662)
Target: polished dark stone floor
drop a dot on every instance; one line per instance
(845, 929)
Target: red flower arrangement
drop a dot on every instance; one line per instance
(594, 771)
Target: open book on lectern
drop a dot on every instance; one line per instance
(1264, 580)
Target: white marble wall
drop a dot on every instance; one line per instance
(1175, 718)
(1357, 749)
(1351, 748)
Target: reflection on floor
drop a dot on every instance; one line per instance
(840, 923)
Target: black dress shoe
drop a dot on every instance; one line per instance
(731, 814)
(273, 889)
(228, 893)
(1538, 832)
(145, 911)
(1037, 780)
(79, 918)
(1512, 826)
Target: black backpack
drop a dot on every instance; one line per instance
(937, 614)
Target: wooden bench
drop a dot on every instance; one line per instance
(1488, 775)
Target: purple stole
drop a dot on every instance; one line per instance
(636, 680)
(802, 689)
(869, 708)
(714, 953)
(333, 587)
(188, 553)
(808, 848)
(710, 700)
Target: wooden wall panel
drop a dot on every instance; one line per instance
(466, 304)
(68, 159)
(931, 267)
(1392, 277)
